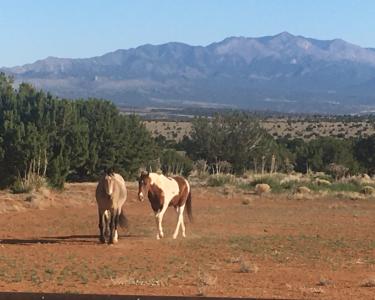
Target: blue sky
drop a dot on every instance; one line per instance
(35, 29)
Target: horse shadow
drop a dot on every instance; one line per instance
(67, 239)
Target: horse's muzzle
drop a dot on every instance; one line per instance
(140, 197)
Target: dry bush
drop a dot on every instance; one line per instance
(338, 171)
(363, 179)
(368, 190)
(324, 282)
(200, 167)
(205, 280)
(31, 182)
(125, 280)
(297, 177)
(370, 282)
(350, 195)
(303, 190)
(221, 180)
(262, 188)
(248, 267)
(320, 181)
(229, 190)
(246, 201)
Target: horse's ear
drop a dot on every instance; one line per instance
(144, 173)
(109, 171)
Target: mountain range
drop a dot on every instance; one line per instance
(283, 72)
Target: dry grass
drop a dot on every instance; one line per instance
(248, 267)
(205, 280)
(324, 282)
(277, 127)
(129, 280)
(172, 130)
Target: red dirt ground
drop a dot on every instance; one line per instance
(265, 247)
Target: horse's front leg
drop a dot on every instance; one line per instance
(159, 220)
(101, 227)
(112, 227)
(117, 220)
(106, 223)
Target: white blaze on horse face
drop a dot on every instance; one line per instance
(142, 189)
(140, 196)
(108, 185)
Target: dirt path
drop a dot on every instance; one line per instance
(271, 247)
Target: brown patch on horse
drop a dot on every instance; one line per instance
(154, 193)
(182, 196)
(156, 197)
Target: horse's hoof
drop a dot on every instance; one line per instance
(102, 240)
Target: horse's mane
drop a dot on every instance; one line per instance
(110, 171)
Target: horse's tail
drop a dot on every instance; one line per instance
(123, 220)
(189, 208)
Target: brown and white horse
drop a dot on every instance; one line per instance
(163, 192)
(111, 195)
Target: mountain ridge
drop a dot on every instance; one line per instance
(283, 72)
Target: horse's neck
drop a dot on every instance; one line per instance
(163, 186)
(154, 190)
(119, 187)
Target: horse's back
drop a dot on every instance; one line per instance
(182, 183)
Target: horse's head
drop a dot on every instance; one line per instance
(109, 182)
(144, 182)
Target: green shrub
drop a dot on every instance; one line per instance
(20, 187)
(174, 162)
(220, 179)
(336, 187)
(274, 183)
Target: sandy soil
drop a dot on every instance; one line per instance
(238, 245)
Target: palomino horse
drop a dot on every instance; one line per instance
(165, 191)
(111, 194)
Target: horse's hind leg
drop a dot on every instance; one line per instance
(101, 227)
(106, 223)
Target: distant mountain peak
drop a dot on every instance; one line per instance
(284, 34)
(282, 72)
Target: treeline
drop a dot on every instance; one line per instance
(236, 142)
(66, 140)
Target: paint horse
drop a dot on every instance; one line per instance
(163, 192)
(111, 195)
